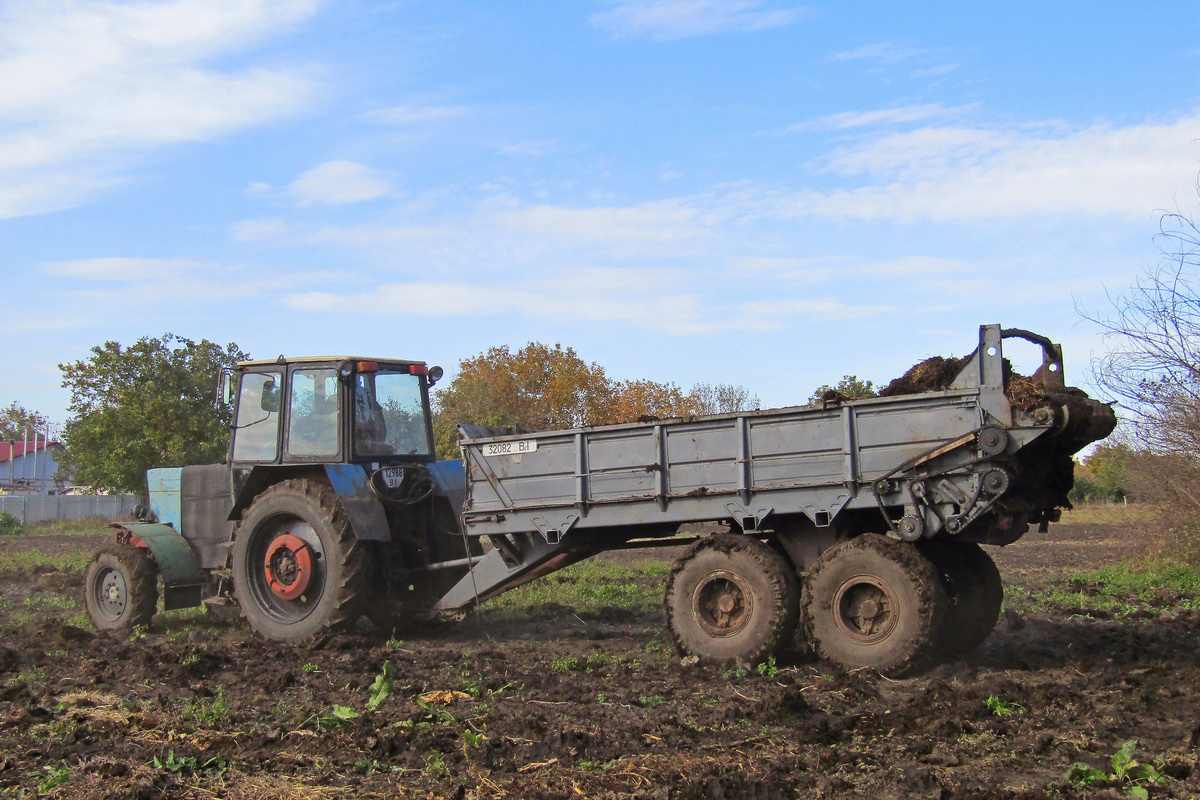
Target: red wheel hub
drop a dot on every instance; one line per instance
(289, 566)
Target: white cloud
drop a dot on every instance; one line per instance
(678, 19)
(939, 71)
(86, 84)
(413, 115)
(811, 271)
(958, 173)
(123, 269)
(886, 116)
(911, 266)
(274, 230)
(265, 229)
(99, 286)
(656, 222)
(661, 300)
(882, 52)
(820, 308)
(941, 174)
(421, 299)
(567, 300)
(531, 148)
(338, 183)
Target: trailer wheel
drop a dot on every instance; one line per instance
(121, 588)
(875, 602)
(298, 569)
(974, 590)
(731, 599)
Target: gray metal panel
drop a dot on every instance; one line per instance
(796, 460)
(815, 460)
(206, 498)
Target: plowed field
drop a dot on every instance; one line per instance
(570, 689)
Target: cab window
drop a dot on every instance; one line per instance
(256, 430)
(313, 415)
(389, 415)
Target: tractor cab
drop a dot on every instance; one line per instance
(323, 410)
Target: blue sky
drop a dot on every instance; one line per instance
(720, 191)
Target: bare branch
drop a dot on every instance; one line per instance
(1153, 364)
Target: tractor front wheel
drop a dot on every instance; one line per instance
(298, 569)
(121, 588)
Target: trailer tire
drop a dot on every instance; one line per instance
(121, 588)
(875, 602)
(974, 590)
(298, 568)
(731, 599)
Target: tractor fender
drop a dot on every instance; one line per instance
(349, 481)
(362, 506)
(450, 481)
(183, 582)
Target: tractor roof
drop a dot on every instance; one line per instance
(327, 359)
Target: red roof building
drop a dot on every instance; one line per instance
(29, 467)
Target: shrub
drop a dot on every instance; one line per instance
(1172, 485)
(9, 525)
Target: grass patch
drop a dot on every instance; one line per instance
(52, 601)
(28, 559)
(79, 619)
(211, 711)
(179, 624)
(592, 585)
(1109, 514)
(1126, 589)
(88, 526)
(1146, 580)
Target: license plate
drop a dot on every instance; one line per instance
(393, 477)
(510, 448)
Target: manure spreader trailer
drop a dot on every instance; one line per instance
(857, 523)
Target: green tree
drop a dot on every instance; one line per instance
(848, 388)
(1104, 475)
(16, 420)
(143, 406)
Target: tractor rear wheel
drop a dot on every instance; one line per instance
(298, 569)
(975, 591)
(121, 588)
(875, 602)
(731, 599)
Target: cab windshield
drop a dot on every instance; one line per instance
(389, 415)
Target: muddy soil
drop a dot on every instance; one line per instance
(550, 702)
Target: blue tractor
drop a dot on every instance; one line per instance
(332, 506)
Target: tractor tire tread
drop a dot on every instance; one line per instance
(782, 597)
(141, 584)
(921, 650)
(975, 590)
(351, 593)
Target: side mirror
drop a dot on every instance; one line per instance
(435, 375)
(270, 397)
(224, 387)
